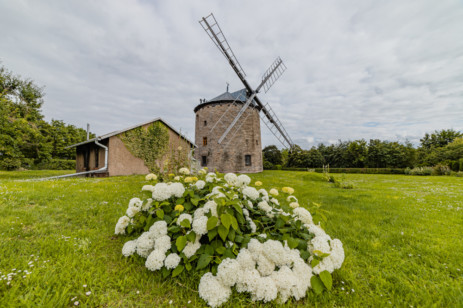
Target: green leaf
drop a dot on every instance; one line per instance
(238, 208)
(160, 213)
(191, 237)
(234, 223)
(165, 272)
(209, 250)
(188, 266)
(185, 223)
(203, 261)
(305, 255)
(180, 201)
(239, 238)
(195, 201)
(178, 270)
(212, 222)
(167, 219)
(293, 242)
(223, 232)
(231, 235)
(314, 262)
(228, 254)
(280, 223)
(129, 229)
(211, 234)
(226, 220)
(327, 280)
(180, 243)
(317, 284)
(173, 229)
(220, 250)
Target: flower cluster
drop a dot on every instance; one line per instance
(260, 242)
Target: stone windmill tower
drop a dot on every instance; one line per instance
(228, 126)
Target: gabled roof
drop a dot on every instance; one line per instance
(117, 132)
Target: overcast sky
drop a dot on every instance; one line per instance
(356, 69)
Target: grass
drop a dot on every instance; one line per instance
(401, 234)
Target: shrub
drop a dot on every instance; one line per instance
(232, 234)
(441, 169)
(407, 170)
(268, 165)
(421, 171)
(56, 164)
(460, 164)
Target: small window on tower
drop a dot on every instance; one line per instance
(205, 123)
(204, 141)
(257, 142)
(203, 161)
(247, 160)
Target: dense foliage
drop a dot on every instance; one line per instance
(26, 139)
(234, 234)
(443, 147)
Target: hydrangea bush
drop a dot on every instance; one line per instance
(236, 234)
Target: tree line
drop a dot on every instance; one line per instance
(26, 139)
(440, 147)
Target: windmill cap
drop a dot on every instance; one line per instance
(239, 96)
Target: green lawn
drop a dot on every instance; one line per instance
(402, 237)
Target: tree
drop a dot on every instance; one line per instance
(439, 139)
(272, 155)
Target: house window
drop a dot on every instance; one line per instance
(247, 160)
(203, 161)
(205, 123)
(204, 141)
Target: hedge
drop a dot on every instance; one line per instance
(57, 164)
(353, 170)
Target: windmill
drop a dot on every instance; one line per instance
(239, 111)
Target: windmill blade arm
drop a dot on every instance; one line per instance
(272, 74)
(238, 116)
(213, 30)
(275, 126)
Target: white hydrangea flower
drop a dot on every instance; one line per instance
(202, 171)
(163, 243)
(135, 202)
(191, 248)
(262, 235)
(172, 261)
(145, 207)
(252, 225)
(184, 171)
(211, 206)
(276, 253)
(251, 193)
(264, 265)
(273, 192)
(155, 260)
(319, 243)
(161, 192)
(250, 204)
(177, 178)
(316, 230)
(274, 201)
(211, 177)
(291, 198)
(148, 188)
(228, 272)
(182, 217)
(201, 211)
(304, 273)
(303, 215)
(264, 194)
(294, 205)
(245, 260)
(158, 229)
(212, 291)
(264, 206)
(129, 248)
(231, 178)
(200, 184)
(249, 281)
(200, 225)
(255, 247)
(243, 180)
(121, 224)
(266, 290)
(132, 211)
(177, 189)
(151, 176)
(285, 281)
(145, 244)
(325, 265)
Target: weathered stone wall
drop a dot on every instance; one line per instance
(244, 139)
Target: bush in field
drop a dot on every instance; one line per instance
(421, 171)
(235, 234)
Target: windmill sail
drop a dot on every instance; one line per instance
(272, 74)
